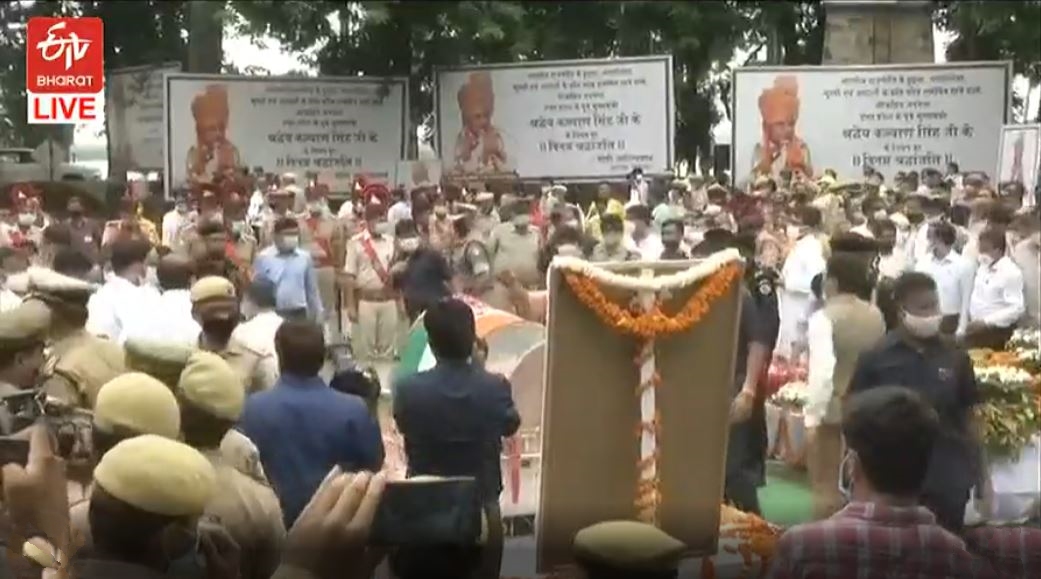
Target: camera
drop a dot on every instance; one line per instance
(69, 425)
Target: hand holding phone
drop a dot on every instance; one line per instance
(429, 511)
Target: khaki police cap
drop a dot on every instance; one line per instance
(628, 545)
(139, 403)
(50, 285)
(212, 287)
(157, 357)
(158, 476)
(209, 383)
(24, 325)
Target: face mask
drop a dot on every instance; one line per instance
(522, 220)
(248, 310)
(612, 239)
(845, 477)
(922, 326)
(76, 212)
(572, 224)
(237, 227)
(409, 245)
(985, 260)
(180, 208)
(220, 329)
(315, 207)
(569, 250)
(670, 242)
(381, 228)
(26, 219)
(630, 228)
(793, 231)
(290, 242)
(216, 218)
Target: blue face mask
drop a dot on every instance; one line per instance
(189, 564)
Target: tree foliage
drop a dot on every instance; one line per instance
(136, 33)
(995, 30)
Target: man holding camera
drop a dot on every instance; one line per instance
(22, 334)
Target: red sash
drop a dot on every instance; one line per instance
(370, 251)
(327, 261)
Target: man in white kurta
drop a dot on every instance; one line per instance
(804, 262)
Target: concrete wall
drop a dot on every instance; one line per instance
(879, 32)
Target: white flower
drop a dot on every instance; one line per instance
(791, 394)
(1004, 375)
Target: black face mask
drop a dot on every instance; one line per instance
(220, 329)
(671, 244)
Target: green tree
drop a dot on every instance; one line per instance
(136, 33)
(995, 30)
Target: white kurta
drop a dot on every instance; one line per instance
(805, 261)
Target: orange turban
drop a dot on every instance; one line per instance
(781, 102)
(477, 92)
(211, 103)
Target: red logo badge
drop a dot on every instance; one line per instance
(65, 69)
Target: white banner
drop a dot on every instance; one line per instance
(338, 127)
(1020, 158)
(889, 117)
(568, 120)
(134, 118)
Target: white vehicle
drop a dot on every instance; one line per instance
(20, 164)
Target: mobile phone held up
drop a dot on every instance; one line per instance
(13, 450)
(429, 511)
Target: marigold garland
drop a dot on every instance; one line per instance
(646, 326)
(654, 323)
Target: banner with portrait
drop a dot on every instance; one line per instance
(1019, 158)
(574, 120)
(339, 127)
(887, 117)
(134, 118)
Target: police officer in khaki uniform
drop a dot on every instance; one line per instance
(216, 307)
(627, 549)
(487, 217)
(22, 334)
(165, 361)
(79, 363)
(281, 201)
(127, 406)
(211, 400)
(514, 251)
(369, 297)
(154, 486)
(323, 236)
(244, 244)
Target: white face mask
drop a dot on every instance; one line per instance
(522, 220)
(290, 242)
(985, 260)
(26, 219)
(612, 239)
(793, 231)
(381, 228)
(409, 244)
(569, 250)
(315, 207)
(923, 326)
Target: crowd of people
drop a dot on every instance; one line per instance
(182, 370)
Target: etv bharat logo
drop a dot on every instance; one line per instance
(65, 69)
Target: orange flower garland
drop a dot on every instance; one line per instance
(654, 323)
(647, 326)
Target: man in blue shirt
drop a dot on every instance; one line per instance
(292, 271)
(453, 417)
(303, 428)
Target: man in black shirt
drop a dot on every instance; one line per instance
(914, 355)
(421, 274)
(745, 461)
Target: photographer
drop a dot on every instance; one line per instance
(22, 334)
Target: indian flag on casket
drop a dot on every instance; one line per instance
(507, 335)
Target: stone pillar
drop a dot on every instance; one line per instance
(878, 32)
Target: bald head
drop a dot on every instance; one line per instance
(174, 272)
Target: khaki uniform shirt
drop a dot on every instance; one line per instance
(323, 237)
(79, 365)
(251, 514)
(258, 371)
(516, 251)
(240, 452)
(359, 264)
(601, 252)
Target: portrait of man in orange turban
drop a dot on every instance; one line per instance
(480, 147)
(213, 155)
(780, 148)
